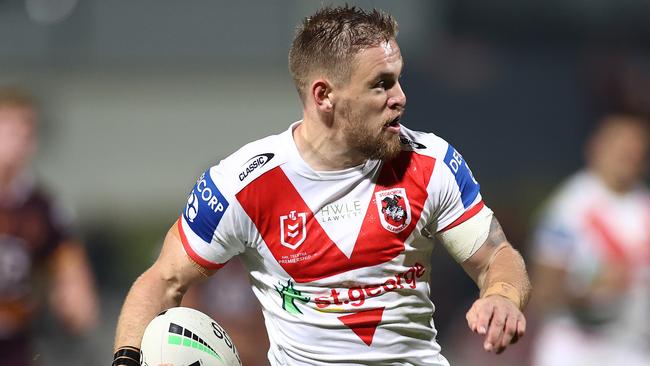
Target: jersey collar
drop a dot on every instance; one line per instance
(296, 162)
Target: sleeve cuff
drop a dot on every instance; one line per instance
(466, 216)
(193, 254)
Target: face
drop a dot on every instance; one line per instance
(619, 153)
(370, 104)
(17, 140)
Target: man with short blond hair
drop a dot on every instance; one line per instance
(334, 217)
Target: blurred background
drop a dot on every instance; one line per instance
(137, 98)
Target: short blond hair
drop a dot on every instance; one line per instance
(329, 40)
(13, 96)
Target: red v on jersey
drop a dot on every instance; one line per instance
(614, 249)
(270, 200)
(364, 323)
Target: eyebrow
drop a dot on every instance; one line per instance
(384, 74)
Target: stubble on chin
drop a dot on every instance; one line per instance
(371, 142)
(388, 147)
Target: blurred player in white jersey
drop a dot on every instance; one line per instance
(592, 256)
(333, 218)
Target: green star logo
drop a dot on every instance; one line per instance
(289, 297)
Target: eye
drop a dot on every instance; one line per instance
(381, 84)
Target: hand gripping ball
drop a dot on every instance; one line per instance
(186, 337)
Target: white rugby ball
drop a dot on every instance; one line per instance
(186, 337)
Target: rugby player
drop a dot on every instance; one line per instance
(36, 242)
(592, 255)
(334, 218)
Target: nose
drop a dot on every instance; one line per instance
(397, 99)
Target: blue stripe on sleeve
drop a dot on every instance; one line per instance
(468, 186)
(205, 207)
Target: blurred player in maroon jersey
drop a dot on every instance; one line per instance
(36, 247)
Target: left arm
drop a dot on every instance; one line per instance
(73, 295)
(500, 273)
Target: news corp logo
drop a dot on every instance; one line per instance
(253, 163)
(192, 208)
(205, 207)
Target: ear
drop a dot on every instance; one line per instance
(321, 91)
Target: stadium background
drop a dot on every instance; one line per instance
(139, 97)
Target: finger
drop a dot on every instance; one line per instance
(519, 329)
(472, 317)
(510, 330)
(483, 317)
(521, 325)
(495, 331)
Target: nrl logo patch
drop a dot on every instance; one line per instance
(293, 229)
(394, 209)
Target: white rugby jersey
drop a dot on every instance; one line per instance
(339, 260)
(586, 227)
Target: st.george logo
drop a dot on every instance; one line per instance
(394, 209)
(293, 229)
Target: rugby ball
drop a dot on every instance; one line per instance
(186, 337)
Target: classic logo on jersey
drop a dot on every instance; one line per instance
(394, 209)
(255, 162)
(293, 229)
(205, 207)
(468, 186)
(413, 144)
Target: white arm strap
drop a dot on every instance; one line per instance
(465, 239)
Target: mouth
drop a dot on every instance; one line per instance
(393, 125)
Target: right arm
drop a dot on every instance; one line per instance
(194, 248)
(159, 288)
(566, 277)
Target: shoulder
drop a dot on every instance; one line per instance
(215, 190)
(576, 194)
(252, 160)
(38, 197)
(563, 215)
(422, 143)
(431, 145)
(448, 161)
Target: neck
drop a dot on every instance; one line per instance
(323, 147)
(612, 182)
(7, 175)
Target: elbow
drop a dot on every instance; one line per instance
(170, 283)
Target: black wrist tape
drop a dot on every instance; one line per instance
(126, 356)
